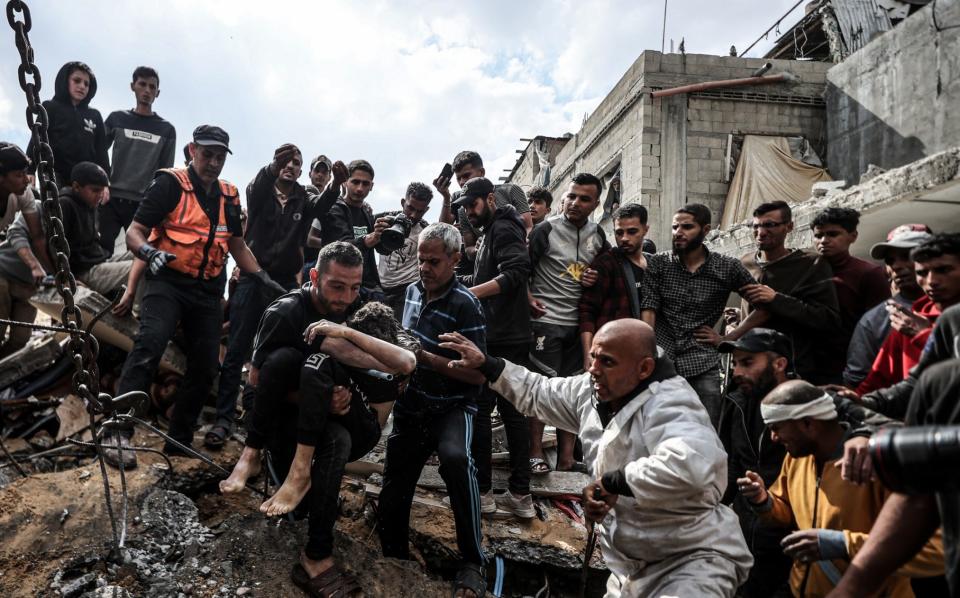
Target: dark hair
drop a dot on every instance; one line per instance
(793, 392)
(419, 191)
(701, 213)
(145, 72)
(585, 178)
(847, 218)
(541, 194)
(341, 252)
(631, 210)
(360, 165)
(939, 246)
(785, 212)
(89, 173)
(186, 153)
(377, 320)
(467, 158)
(80, 66)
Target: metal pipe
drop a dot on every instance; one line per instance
(765, 80)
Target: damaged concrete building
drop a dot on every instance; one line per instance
(681, 128)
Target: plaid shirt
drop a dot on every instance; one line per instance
(685, 301)
(608, 299)
(456, 310)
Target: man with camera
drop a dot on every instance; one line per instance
(398, 268)
(279, 212)
(468, 165)
(499, 280)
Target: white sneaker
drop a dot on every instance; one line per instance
(519, 506)
(488, 504)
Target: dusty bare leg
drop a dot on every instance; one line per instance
(565, 445)
(536, 438)
(248, 466)
(295, 487)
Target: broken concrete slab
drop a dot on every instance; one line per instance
(39, 353)
(116, 331)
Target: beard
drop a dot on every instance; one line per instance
(693, 245)
(764, 383)
(483, 219)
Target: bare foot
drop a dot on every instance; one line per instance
(248, 466)
(294, 488)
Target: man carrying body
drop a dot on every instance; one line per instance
(683, 296)
(143, 143)
(795, 288)
(874, 326)
(183, 230)
(619, 273)
(351, 221)
(655, 458)
(499, 281)
(279, 211)
(469, 165)
(860, 285)
(436, 411)
(398, 269)
(834, 517)
(540, 200)
(561, 250)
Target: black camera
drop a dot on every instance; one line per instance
(917, 460)
(393, 238)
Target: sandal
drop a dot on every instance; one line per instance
(332, 583)
(216, 436)
(470, 577)
(538, 466)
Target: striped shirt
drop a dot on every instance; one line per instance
(456, 310)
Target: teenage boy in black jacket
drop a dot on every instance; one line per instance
(499, 280)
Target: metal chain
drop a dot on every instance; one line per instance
(85, 383)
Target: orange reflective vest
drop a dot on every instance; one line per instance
(186, 231)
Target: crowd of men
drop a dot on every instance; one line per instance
(712, 476)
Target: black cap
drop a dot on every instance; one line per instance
(472, 189)
(89, 173)
(760, 340)
(12, 158)
(321, 159)
(211, 136)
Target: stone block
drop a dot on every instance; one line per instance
(719, 188)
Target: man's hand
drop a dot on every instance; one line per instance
(282, 156)
(125, 304)
(757, 293)
(340, 401)
(37, 273)
(470, 355)
(597, 510)
(339, 174)
(589, 278)
(382, 224)
(752, 488)
(156, 259)
(325, 328)
(841, 391)
(707, 336)
(537, 308)
(803, 546)
(253, 376)
(904, 320)
(442, 185)
(856, 465)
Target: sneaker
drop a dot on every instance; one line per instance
(488, 504)
(112, 456)
(518, 506)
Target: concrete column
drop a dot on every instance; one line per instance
(673, 166)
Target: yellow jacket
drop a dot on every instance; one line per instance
(799, 499)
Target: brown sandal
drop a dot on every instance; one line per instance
(332, 583)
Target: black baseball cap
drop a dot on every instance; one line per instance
(89, 173)
(210, 135)
(12, 158)
(472, 189)
(759, 340)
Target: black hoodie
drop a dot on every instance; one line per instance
(76, 132)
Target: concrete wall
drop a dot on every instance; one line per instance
(898, 98)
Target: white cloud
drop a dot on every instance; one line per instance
(405, 85)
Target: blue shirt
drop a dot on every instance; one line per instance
(456, 310)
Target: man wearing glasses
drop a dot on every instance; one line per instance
(794, 287)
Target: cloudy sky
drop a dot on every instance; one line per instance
(404, 84)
